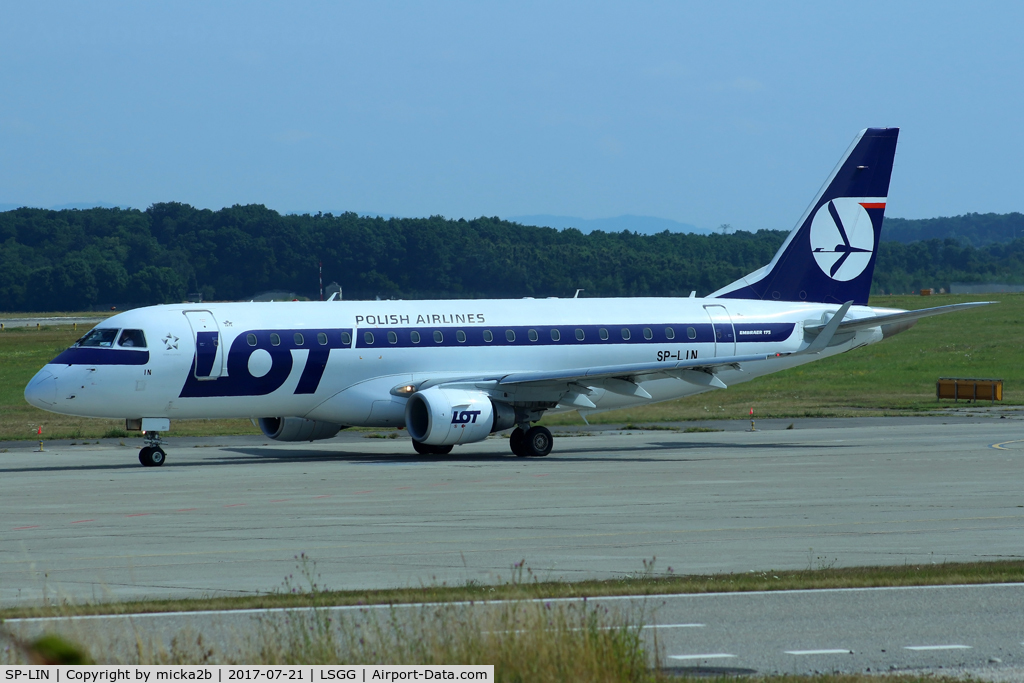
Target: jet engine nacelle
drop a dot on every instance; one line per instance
(297, 429)
(443, 417)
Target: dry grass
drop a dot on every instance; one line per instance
(525, 639)
(819, 574)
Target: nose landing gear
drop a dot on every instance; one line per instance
(152, 455)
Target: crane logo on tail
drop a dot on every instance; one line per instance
(842, 238)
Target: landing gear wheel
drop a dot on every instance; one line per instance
(429, 449)
(538, 442)
(516, 440)
(151, 456)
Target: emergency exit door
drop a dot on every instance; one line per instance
(725, 333)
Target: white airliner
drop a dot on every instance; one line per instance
(453, 372)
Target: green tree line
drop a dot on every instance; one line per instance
(80, 259)
(976, 229)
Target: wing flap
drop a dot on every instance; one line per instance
(629, 371)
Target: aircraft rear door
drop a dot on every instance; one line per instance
(209, 362)
(725, 333)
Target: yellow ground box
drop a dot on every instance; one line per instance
(969, 388)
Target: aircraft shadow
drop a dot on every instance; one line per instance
(269, 454)
(129, 464)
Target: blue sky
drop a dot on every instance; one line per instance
(704, 113)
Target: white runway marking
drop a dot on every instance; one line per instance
(919, 648)
(673, 626)
(819, 652)
(716, 655)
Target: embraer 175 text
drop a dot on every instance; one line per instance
(453, 372)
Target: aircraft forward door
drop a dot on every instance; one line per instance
(725, 333)
(209, 362)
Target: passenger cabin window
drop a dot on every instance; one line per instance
(603, 333)
(532, 334)
(460, 336)
(555, 334)
(132, 339)
(297, 338)
(346, 339)
(625, 334)
(99, 337)
(392, 338)
(488, 336)
(670, 333)
(579, 334)
(368, 337)
(438, 337)
(250, 339)
(414, 336)
(275, 340)
(510, 335)
(321, 338)
(648, 334)
(691, 333)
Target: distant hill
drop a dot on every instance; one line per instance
(975, 229)
(645, 225)
(62, 207)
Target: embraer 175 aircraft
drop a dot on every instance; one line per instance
(453, 372)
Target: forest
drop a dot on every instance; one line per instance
(84, 259)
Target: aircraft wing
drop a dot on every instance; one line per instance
(896, 318)
(570, 387)
(631, 370)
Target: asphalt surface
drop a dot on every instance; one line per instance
(974, 630)
(62, 320)
(86, 522)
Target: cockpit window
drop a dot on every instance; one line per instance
(132, 338)
(98, 337)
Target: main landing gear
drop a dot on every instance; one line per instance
(534, 442)
(152, 455)
(428, 449)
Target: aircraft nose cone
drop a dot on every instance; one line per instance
(42, 390)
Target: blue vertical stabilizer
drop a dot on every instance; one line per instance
(830, 255)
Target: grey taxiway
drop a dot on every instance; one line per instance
(229, 516)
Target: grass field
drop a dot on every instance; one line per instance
(523, 633)
(521, 583)
(896, 376)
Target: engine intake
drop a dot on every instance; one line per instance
(297, 429)
(444, 417)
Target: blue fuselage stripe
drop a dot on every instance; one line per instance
(521, 336)
(77, 355)
(541, 335)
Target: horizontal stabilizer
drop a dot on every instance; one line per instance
(896, 318)
(828, 331)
